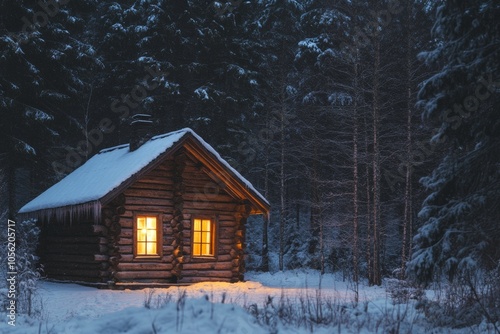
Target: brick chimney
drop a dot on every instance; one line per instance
(141, 127)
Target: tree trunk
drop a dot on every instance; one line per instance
(315, 220)
(369, 260)
(355, 246)
(376, 165)
(321, 246)
(265, 239)
(282, 187)
(297, 215)
(407, 219)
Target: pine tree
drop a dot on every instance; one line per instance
(40, 79)
(461, 214)
(326, 100)
(204, 59)
(278, 32)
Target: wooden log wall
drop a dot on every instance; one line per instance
(203, 197)
(153, 195)
(178, 191)
(74, 252)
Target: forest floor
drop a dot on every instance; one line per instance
(284, 302)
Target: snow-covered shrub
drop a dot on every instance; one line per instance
(453, 308)
(487, 296)
(27, 269)
(296, 249)
(266, 315)
(253, 255)
(402, 291)
(3, 262)
(313, 251)
(153, 300)
(469, 300)
(340, 260)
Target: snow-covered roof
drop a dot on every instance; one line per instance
(113, 166)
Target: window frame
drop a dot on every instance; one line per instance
(159, 236)
(215, 233)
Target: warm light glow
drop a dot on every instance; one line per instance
(146, 236)
(203, 237)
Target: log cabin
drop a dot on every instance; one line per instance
(161, 210)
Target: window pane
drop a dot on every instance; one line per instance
(206, 225)
(141, 234)
(197, 237)
(151, 235)
(151, 223)
(196, 249)
(206, 237)
(206, 249)
(141, 222)
(197, 224)
(152, 248)
(141, 248)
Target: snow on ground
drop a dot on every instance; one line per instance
(63, 301)
(193, 316)
(219, 308)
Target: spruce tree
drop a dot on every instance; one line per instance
(40, 80)
(461, 214)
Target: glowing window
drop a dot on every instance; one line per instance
(203, 237)
(147, 236)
